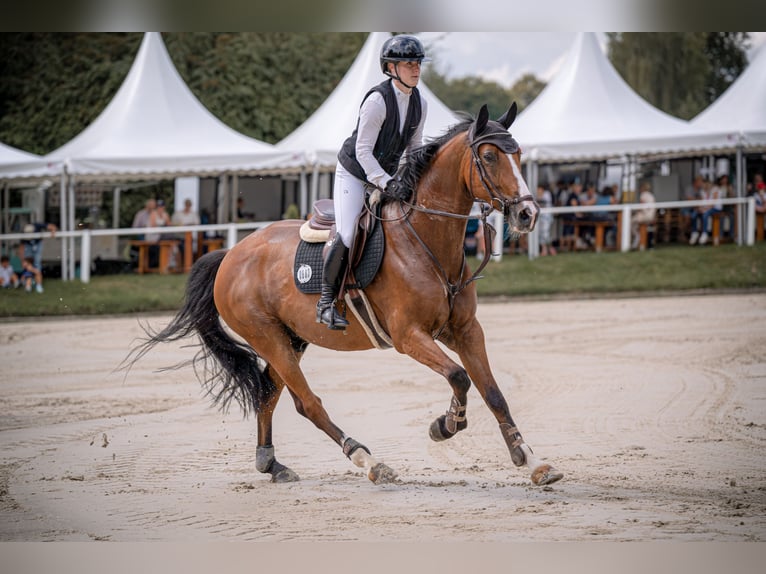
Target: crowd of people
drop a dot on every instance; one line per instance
(559, 232)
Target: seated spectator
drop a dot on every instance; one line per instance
(640, 216)
(186, 216)
(8, 277)
(31, 276)
(545, 199)
(701, 217)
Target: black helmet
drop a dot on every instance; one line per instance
(402, 48)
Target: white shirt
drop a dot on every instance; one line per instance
(371, 117)
(6, 273)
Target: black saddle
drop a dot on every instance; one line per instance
(366, 254)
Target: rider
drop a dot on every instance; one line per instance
(391, 120)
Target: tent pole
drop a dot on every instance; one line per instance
(116, 207)
(63, 223)
(234, 196)
(72, 226)
(6, 208)
(740, 189)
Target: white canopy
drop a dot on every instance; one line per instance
(740, 112)
(155, 125)
(15, 163)
(322, 135)
(588, 112)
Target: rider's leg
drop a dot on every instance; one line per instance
(348, 199)
(332, 275)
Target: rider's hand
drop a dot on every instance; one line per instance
(396, 190)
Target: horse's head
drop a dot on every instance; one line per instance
(495, 174)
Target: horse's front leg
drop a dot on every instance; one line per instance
(471, 348)
(421, 347)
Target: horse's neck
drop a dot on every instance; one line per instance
(443, 234)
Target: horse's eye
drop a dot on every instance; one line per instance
(489, 156)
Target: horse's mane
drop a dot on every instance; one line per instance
(420, 158)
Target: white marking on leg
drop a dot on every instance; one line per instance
(531, 460)
(362, 459)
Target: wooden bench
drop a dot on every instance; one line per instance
(643, 235)
(600, 226)
(716, 234)
(166, 249)
(209, 244)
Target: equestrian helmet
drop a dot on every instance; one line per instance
(402, 48)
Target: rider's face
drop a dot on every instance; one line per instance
(409, 72)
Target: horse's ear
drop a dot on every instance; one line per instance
(507, 118)
(481, 120)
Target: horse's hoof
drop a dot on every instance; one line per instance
(381, 474)
(438, 431)
(284, 475)
(546, 474)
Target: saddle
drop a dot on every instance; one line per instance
(365, 257)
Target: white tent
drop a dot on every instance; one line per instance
(15, 163)
(322, 134)
(155, 126)
(588, 112)
(740, 112)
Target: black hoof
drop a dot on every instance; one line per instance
(438, 430)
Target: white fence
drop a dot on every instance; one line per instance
(71, 239)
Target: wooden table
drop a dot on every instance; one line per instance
(166, 248)
(600, 226)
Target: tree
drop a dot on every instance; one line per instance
(681, 73)
(726, 52)
(526, 89)
(470, 93)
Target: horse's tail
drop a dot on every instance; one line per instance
(227, 369)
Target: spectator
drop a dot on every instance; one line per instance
(8, 277)
(31, 276)
(186, 216)
(142, 217)
(34, 247)
(545, 199)
(642, 216)
(702, 216)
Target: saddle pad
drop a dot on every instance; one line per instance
(307, 269)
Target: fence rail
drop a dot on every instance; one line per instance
(746, 232)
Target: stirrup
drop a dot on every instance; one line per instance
(334, 320)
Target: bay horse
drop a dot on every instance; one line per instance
(423, 293)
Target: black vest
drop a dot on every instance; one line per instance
(390, 144)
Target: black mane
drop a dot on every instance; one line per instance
(420, 158)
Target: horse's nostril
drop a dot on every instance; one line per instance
(525, 216)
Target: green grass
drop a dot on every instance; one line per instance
(677, 268)
(662, 269)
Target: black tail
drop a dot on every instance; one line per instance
(227, 369)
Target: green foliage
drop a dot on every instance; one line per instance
(681, 73)
(261, 84)
(468, 94)
(54, 85)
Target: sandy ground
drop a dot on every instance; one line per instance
(653, 408)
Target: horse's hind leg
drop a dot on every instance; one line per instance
(278, 347)
(265, 461)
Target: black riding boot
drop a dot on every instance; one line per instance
(332, 275)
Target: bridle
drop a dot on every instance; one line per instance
(503, 141)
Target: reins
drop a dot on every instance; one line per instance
(503, 204)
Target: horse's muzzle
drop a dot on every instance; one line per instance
(524, 217)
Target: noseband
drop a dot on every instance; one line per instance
(505, 143)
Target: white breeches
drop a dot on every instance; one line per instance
(348, 198)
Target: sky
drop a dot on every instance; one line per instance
(504, 57)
